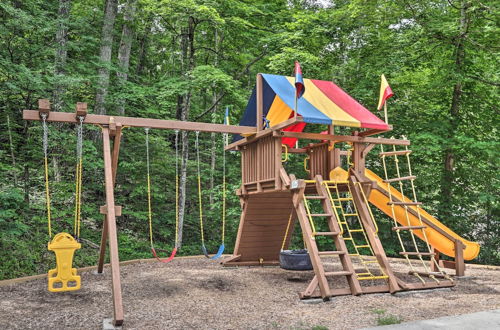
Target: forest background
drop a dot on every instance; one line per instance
(189, 60)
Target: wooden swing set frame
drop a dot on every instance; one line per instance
(263, 177)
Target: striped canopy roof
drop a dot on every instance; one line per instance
(322, 103)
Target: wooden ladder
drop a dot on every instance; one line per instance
(306, 220)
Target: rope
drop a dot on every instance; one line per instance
(224, 137)
(150, 213)
(176, 188)
(286, 231)
(199, 186)
(78, 179)
(45, 141)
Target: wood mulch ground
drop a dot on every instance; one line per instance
(200, 294)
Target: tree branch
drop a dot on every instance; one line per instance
(238, 76)
(493, 83)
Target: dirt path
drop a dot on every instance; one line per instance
(200, 294)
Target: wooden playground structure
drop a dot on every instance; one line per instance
(272, 200)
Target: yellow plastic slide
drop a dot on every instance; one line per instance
(436, 239)
(379, 198)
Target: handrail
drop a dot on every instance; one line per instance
(368, 206)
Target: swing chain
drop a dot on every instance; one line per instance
(176, 243)
(196, 145)
(45, 140)
(45, 135)
(78, 178)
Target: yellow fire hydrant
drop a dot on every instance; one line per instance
(64, 246)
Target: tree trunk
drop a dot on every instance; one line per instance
(61, 55)
(448, 178)
(124, 50)
(184, 106)
(12, 155)
(105, 56)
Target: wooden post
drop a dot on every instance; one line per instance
(436, 252)
(277, 162)
(259, 102)
(111, 229)
(114, 167)
(357, 159)
(459, 258)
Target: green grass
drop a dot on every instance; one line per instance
(319, 327)
(388, 319)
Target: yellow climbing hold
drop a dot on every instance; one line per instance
(63, 277)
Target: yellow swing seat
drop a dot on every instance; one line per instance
(64, 246)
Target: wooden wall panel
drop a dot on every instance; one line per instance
(264, 226)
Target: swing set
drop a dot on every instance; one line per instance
(64, 277)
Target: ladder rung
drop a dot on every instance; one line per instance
(348, 239)
(362, 246)
(404, 203)
(321, 214)
(417, 253)
(411, 177)
(356, 230)
(408, 228)
(364, 274)
(344, 199)
(350, 214)
(380, 277)
(330, 253)
(315, 197)
(326, 233)
(341, 273)
(343, 222)
(370, 261)
(393, 153)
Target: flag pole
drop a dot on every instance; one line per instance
(385, 112)
(295, 115)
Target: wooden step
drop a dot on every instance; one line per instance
(404, 203)
(321, 214)
(395, 153)
(330, 253)
(411, 177)
(417, 253)
(315, 197)
(326, 233)
(340, 273)
(408, 227)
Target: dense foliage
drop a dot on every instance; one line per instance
(189, 60)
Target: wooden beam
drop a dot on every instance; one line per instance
(264, 133)
(374, 131)
(112, 232)
(342, 138)
(259, 102)
(66, 117)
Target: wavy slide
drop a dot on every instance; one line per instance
(379, 198)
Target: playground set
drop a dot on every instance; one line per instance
(331, 205)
